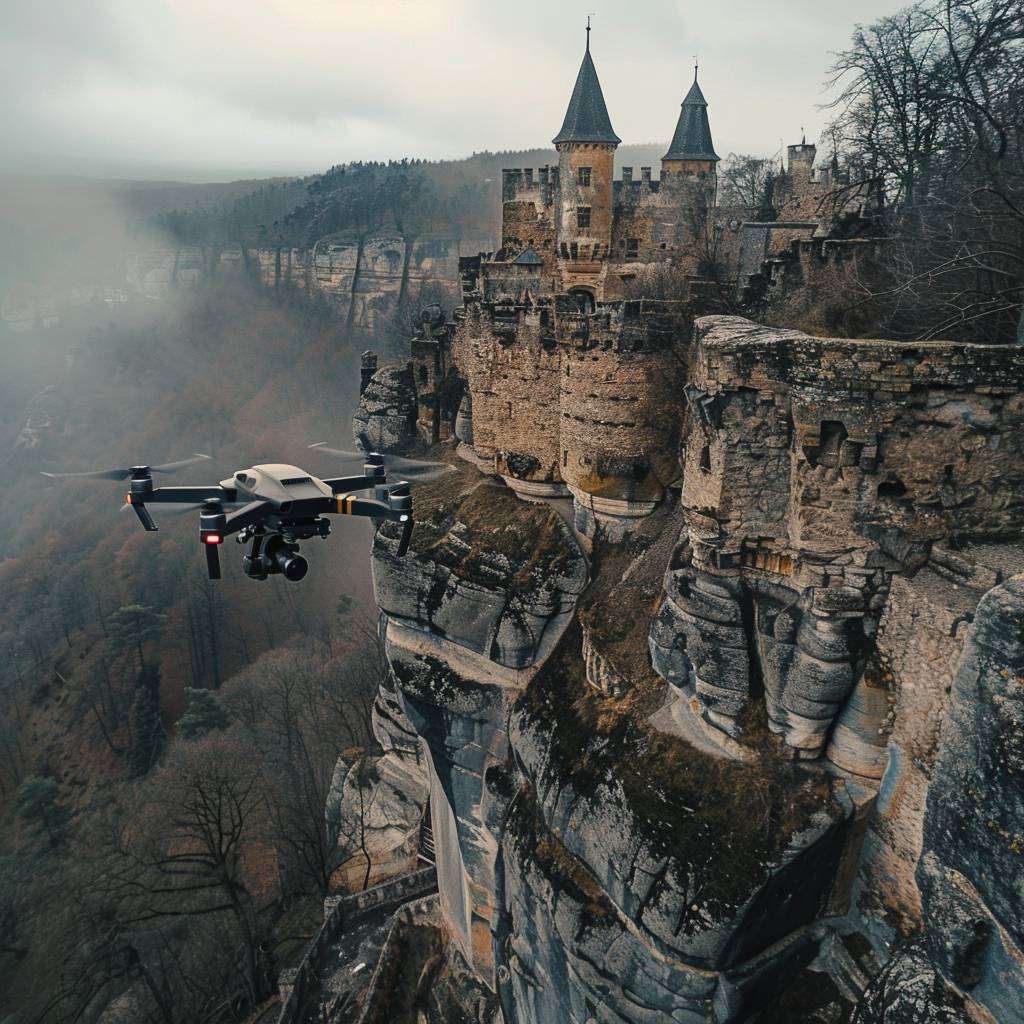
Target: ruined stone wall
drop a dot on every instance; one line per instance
(820, 285)
(635, 206)
(594, 400)
(511, 367)
(527, 214)
(512, 283)
(801, 191)
(814, 470)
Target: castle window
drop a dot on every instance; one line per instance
(583, 176)
(582, 217)
(632, 248)
(574, 251)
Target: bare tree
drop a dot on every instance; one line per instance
(303, 710)
(931, 106)
(182, 846)
(743, 180)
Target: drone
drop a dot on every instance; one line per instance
(275, 506)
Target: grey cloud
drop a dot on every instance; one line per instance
(265, 84)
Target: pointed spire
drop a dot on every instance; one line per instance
(587, 118)
(692, 140)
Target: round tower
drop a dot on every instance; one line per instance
(586, 157)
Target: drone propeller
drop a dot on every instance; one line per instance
(412, 469)
(124, 474)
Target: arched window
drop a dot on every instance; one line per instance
(584, 299)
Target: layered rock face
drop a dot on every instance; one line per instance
(364, 283)
(769, 733)
(489, 589)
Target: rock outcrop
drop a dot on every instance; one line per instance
(768, 734)
(385, 419)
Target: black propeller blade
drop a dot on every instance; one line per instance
(124, 474)
(411, 469)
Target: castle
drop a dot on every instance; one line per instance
(571, 385)
(590, 236)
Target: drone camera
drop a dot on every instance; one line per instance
(293, 566)
(276, 556)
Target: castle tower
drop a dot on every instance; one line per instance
(691, 158)
(801, 160)
(586, 156)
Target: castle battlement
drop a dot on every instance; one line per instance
(524, 184)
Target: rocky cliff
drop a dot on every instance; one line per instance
(755, 754)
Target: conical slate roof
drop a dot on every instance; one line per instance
(692, 140)
(528, 258)
(587, 119)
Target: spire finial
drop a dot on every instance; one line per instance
(695, 67)
(589, 16)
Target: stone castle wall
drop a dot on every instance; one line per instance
(822, 284)
(814, 470)
(619, 404)
(567, 398)
(512, 372)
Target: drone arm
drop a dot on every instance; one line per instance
(398, 509)
(342, 484)
(163, 495)
(188, 495)
(144, 517)
(247, 515)
(350, 505)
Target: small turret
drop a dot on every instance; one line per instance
(692, 152)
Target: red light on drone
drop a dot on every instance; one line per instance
(213, 538)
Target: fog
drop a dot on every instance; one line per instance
(95, 373)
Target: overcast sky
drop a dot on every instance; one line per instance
(219, 89)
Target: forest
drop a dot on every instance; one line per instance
(167, 744)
